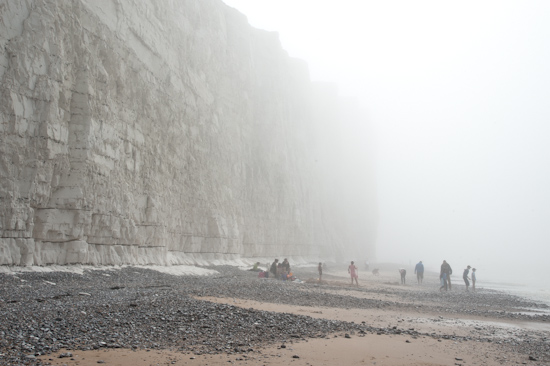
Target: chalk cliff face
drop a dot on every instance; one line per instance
(144, 131)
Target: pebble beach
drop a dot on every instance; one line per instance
(141, 316)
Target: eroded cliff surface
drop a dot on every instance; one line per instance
(141, 132)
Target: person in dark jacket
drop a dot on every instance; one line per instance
(273, 268)
(419, 270)
(286, 265)
(446, 268)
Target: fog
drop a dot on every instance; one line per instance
(457, 95)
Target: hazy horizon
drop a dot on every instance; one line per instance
(456, 97)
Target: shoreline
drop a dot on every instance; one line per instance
(236, 315)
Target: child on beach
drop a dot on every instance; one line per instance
(403, 273)
(352, 270)
(473, 279)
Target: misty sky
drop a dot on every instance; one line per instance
(458, 97)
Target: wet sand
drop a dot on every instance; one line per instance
(464, 347)
(366, 350)
(387, 324)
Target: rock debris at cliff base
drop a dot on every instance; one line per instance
(138, 308)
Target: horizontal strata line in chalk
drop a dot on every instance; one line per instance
(129, 245)
(62, 208)
(201, 236)
(175, 251)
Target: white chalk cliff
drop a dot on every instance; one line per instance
(168, 132)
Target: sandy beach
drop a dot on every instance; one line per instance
(275, 323)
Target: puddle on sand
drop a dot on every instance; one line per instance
(513, 324)
(532, 311)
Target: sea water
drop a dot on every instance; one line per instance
(527, 285)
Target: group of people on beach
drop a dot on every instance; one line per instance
(445, 277)
(281, 270)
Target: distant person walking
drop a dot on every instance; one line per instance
(466, 278)
(353, 271)
(419, 270)
(473, 279)
(320, 269)
(403, 273)
(446, 268)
